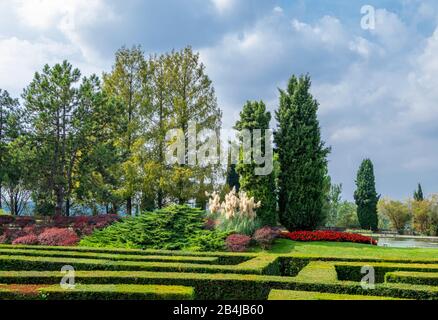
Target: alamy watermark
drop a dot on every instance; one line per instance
(204, 148)
(368, 282)
(368, 21)
(68, 280)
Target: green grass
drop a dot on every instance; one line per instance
(345, 250)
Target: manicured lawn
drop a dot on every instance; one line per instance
(350, 250)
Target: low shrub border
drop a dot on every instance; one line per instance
(97, 292)
(259, 265)
(309, 295)
(118, 292)
(421, 278)
(108, 256)
(351, 271)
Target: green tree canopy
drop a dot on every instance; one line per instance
(255, 117)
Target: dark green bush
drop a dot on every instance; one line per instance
(171, 228)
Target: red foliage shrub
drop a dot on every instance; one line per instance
(30, 239)
(333, 236)
(61, 221)
(33, 230)
(6, 219)
(237, 242)
(85, 225)
(210, 224)
(265, 236)
(58, 237)
(24, 221)
(9, 235)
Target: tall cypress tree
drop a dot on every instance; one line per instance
(233, 178)
(418, 194)
(366, 196)
(302, 156)
(261, 187)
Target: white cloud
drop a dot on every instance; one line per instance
(223, 5)
(21, 58)
(347, 134)
(68, 17)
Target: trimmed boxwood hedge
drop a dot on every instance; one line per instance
(247, 276)
(352, 270)
(227, 258)
(422, 278)
(97, 292)
(109, 256)
(260, 265)
(118, 292)
(309, 295)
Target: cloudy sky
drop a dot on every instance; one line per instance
(377, 88)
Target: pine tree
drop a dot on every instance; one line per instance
(302, 156)
(261, 187)
(418, 194)
(366, 196)
(8, 107)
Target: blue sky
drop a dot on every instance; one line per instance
(377, 88)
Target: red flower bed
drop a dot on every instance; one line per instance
(333, 236)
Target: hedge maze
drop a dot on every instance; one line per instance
(29, 272)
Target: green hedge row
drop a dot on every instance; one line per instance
(421, 278)
(108, 256)
(223, 286)
(118, 292)
(259, 265)
(97, 292)
(352, 270)
(309, 295)
(223, 257)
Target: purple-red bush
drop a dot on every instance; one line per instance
(24, 221)
(30, 239)
(265, 237)
(9, 235)
(58, 237)
(237, 242)
(210, 224)
(6, 219)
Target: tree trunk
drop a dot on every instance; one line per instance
(12, 204)
(160, 199)
(67, 207)
(59, 202)
(129, 206)
(1, 207)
